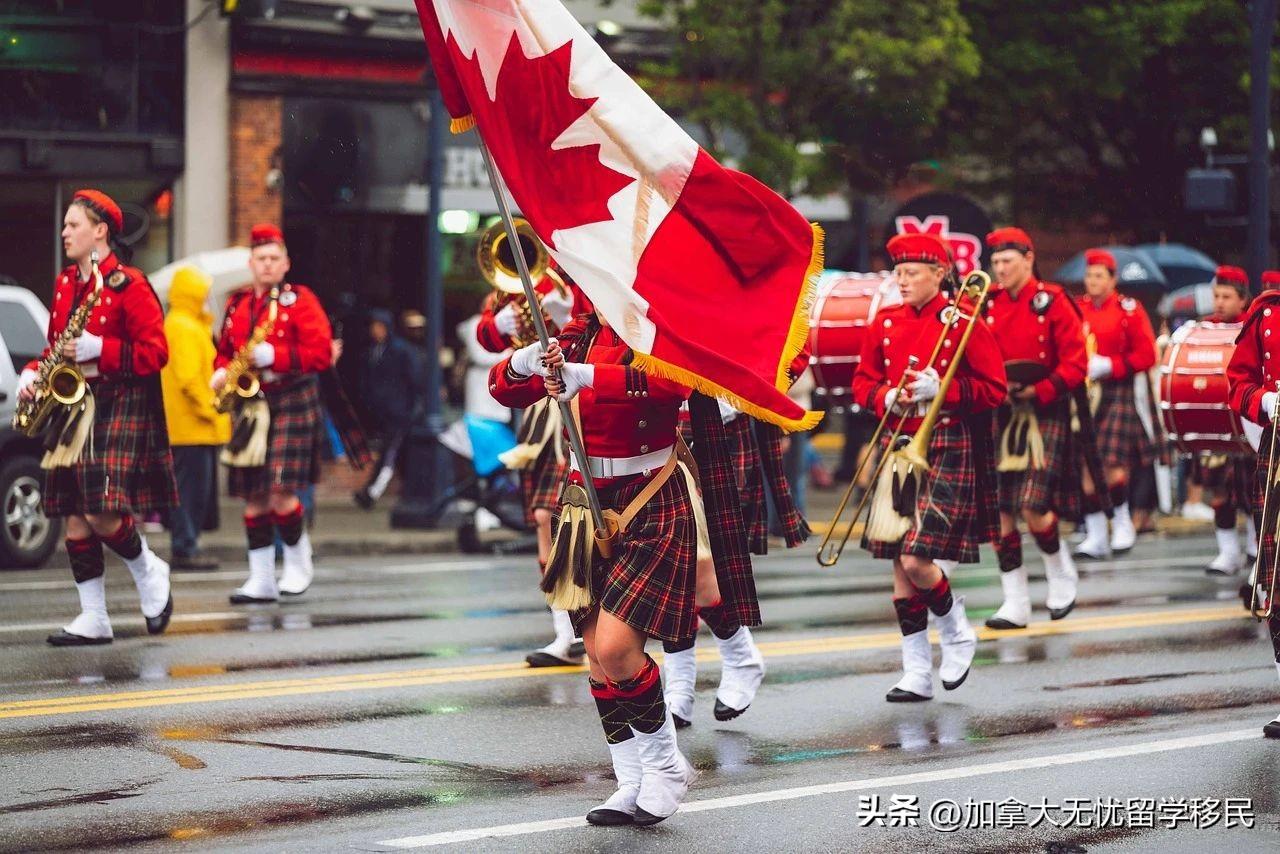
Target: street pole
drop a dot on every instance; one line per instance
(1262, 18)
(425, 469)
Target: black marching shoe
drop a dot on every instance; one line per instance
(726, 713)
(160, 622)
(609, 818)
(680, 722)
(1272, 730)
(62, 637)
(1055, 613)
(897, 695)
(363, 499)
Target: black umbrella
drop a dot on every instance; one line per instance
(1135, 270)
(1181, 264)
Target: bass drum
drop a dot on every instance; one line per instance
(1194, 395)
(846, 304)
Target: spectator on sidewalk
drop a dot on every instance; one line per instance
(196, 429)
(391, 383)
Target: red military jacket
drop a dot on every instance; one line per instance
(625, 414)
(1254, 368)
(127, 317)
(495, 342)
(301, 336)
(1123, 333)
(900, 332)
(1041, 324)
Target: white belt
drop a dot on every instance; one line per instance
(606, 467)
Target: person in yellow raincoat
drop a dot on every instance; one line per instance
(196, 429)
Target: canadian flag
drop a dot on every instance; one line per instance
(706, 273)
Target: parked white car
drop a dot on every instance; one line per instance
(27, 536)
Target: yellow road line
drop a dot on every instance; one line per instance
(382, 680)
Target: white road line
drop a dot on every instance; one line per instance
(898, 780)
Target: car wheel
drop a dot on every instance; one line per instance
(27, 536)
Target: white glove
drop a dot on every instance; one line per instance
(575, 376)
(27, 379)
(264, 355)
(1099, 368)
(507, 320)
(88, 347)
(218, 379)
(1268, 402)
(925, 386)
(558, 308)
(890, 399)
(527, 361)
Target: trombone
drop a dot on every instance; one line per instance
(495, 256)
(829, 552)
(1270, 508)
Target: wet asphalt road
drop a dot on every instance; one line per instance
(391, 705)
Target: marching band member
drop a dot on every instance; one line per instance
(1037, 326)
(646, 588)
(273, 455)
(543, 476)
(1270, 279)
(955, 508)
(1228, 481)
(1254, 379)
(1126, 348)
(125, 468)
(756, 452)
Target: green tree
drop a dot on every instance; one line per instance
(867, 79)
(1091, 111)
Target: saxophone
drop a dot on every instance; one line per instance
(242, 379)
(58, 381)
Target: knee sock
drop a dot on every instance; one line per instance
(617, 728)
(289, 525)
(1119, 493)
(640, 698)
(680, 645)
(938, 597)
(257, 530)
(1009, 551)
(722, 624)
(126, 541)
(1047, 539)
(1224, 517)
(913, 615)
(87, 562)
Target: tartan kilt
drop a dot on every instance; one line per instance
(1122, 441)
(541, 482)
(1228, 485)
(750, 478)
(131, 467)
(1056, 487)
(649, 581)
(293, 442)
(948, 519)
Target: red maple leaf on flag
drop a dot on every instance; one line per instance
(555, 188)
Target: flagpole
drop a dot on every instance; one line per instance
(576, 446)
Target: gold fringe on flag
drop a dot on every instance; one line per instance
(463, 124)
(799, 331)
